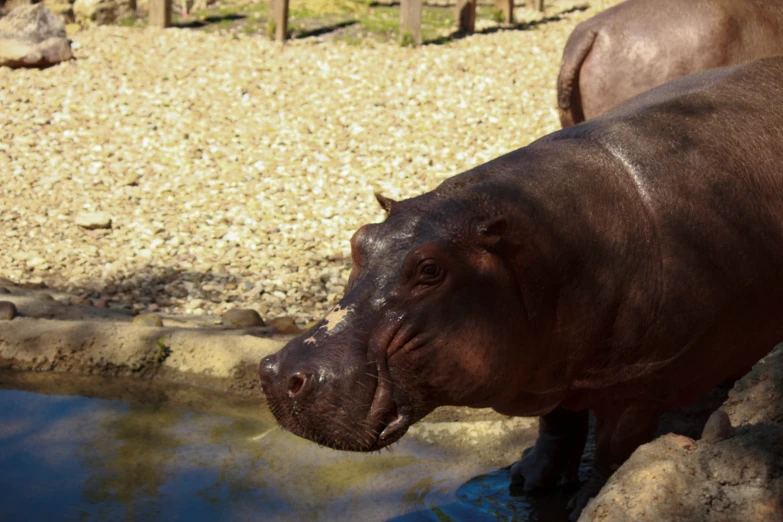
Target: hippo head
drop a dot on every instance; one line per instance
(428, 306)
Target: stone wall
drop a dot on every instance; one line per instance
(734, 472)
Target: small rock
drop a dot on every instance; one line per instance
(718, 428)
(72, 29)
(285, 326)
(93, 220)
(4, 290)
(45, 297)
(147, 320)
(682, 441)
(241, 318)
(64, 10)
(35, 283)
(7, 310)
(100, 12)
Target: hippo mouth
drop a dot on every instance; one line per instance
(392, 421)
(329, 423)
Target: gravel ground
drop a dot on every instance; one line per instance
(235, 170)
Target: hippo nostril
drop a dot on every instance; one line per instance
(298, 385)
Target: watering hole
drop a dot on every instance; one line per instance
(153, 454)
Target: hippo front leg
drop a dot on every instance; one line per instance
(554, 460)
(617, 436)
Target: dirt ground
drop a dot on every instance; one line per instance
(230, 171)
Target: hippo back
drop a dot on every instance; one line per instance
(703, 154)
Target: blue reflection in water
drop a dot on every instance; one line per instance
(486, 498)
(73, 458)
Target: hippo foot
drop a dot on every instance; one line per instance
(541, 470)
(554, 461)
(589, 490)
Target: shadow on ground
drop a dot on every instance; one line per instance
(523, 26)
(208, 21)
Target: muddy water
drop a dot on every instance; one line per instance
(69, 457)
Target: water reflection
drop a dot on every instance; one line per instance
(127, 464)
(486, 498)
(82, 459)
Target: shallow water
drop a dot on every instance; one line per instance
(77, 458)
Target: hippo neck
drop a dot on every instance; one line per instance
(578, 244)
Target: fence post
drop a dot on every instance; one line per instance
(538, 5)
(410, 20)
(507, 8)
(278, 20)
(160, 13)
(466, 16)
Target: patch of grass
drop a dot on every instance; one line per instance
(406, 40)
(253, 26)
(381, 21)
(353, 40)
(317, 8)
(131, 21)
(259, 8)
(332, 19)
(222, 25)
(163, 351)
(230, 10)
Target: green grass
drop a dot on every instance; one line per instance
(163, 351)
(375, 23)
(131, 21)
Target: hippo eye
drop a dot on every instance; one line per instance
(429, 272)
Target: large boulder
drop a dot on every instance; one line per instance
(6, 6)
(61, 8)
(31, 36)
(735, 472)
(101, 12)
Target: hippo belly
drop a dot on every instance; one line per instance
(624, 266)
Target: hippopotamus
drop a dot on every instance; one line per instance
(626, 266)
(640, 44)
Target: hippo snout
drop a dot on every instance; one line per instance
(296, 384)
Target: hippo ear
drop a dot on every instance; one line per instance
(385, 203)
(490, 231)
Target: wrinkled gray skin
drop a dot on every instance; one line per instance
(626, 265)
(640, 44)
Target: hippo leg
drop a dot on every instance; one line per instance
(554, 460)
(616, 437)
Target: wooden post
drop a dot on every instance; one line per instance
(410, 21)
(507, 8)
(466, 16)
(160, 13)
(278, 20)
(538, 5)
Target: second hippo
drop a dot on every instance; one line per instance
(640, 44)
